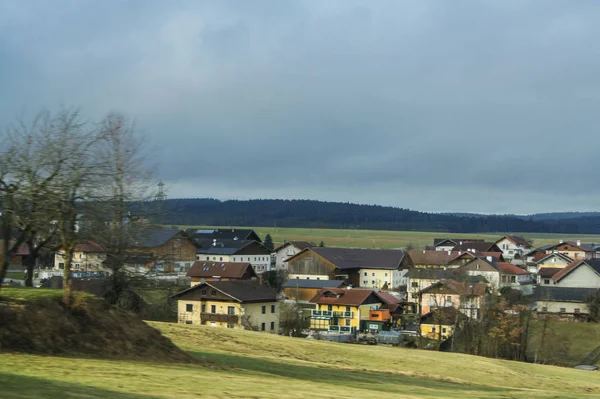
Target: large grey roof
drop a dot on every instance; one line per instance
(155, 238)
(222, 247)
(358, 258)
(563, 294)
(244, 290)
(303, 283)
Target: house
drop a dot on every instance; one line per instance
(240, 304)
(447, 244)
(229, 250)
(421, 278)
(97, 286)
(173, 249)
(203, 270)
(514, 248)
(365, 268)
(465, 296)
(302, 290)
(579, 274)
(441, 321)
(433, 258)
(573, 250)
(553, 260)
(477, 247)
(567, 302)
(545, 274)
(485, 267)
(205, 237)
(287, 250)
(346, 310)
(88, 256)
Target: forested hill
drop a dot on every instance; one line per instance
(315, 214)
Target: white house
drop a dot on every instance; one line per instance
(514, 249)
(579, 274)
(286, 251)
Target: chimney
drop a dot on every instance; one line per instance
(561, 241)
(214, 242)
(261, 279)
(449, 252)
(578, 243)
(423, 251)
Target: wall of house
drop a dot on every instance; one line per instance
(582, 277)
(283, 254)
(253, 315)
(417, 284)
(82, 261)
(510, 249)
(493, 277)
(359, 313)
(177, 249)
(433, 331)
(554, 261)
(375, 278)
(215, 257)
(260, 263)
(445, 248)
(561, 307)
(309, 276)
(300, 294)
(569, 250)
(310, 264)
(431, 301)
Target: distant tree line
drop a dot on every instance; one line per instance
(319, 214)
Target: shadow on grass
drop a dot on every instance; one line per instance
(359, 379)
(14, 386)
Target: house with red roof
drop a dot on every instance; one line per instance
(89, 256)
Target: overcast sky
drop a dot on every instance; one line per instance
(470, 106)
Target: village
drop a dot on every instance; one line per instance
(235, 280)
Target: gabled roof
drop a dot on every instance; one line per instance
(447, 315)
(477, 246)
(240, 290)
(430, 273)
(156, 238)
(388, 299)
(509, 268)
(460, 288)
(547, 272)
(358, 258)
(432, 257)
(563, 294)
(298, 244)
(89, 246)
(557, 254)
(206, 269)
(452, 241)
(344, 296)
(304, 283)
(221, 247)
(516, 240)
(223, 234)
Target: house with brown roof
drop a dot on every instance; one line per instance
(202, 271)
(477, 247)
(228, 250)
(349, 310)
(574, 250)
(88, 256)
(465, 296)
(364, 268)
(447, 244)
(239, 304)
(302, 290)
(500, 274)
(440, 322)
(424, 258)
(288, 249)
(514, 248)
(173, 249)
(578, 274)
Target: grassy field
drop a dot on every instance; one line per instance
(242, 364)
(390, 239)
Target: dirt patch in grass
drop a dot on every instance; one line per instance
(89, 327)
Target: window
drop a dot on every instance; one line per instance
(448, 298)
(414, 284)
(432, 329)
(213, 292)
(213, 308)
(547, 281)
(563, 310)
(513, 279)
(443, 330)
(203, 292)
(230, 309)
(264, 309)
(365, 282)
(372, 281)
(366, 274)
(272, 325)
(544, 309)
(189, 307)
(272, 308)
(263, 326)
(373, 274)
(329, 307)
(208, 258)
(576, 310)
(348, 322)
(188, 322)
(221, 259)
(61, 265)
(77, 265)
(203, 308)
(214, 258)
(347, 308)
(230, 325)
(386, 275)
(477, 267)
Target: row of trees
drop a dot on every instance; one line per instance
(57, 167)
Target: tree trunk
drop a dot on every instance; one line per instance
(30, 266)
(67, 279)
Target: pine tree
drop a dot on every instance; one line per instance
(269, 242)
(322, 244)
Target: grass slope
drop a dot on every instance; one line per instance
(242, 364)
(390, 239)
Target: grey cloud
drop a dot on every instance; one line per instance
(464, 106)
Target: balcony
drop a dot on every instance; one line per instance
(344, 315)
(321, 314)
(344, 329)
(219, 317)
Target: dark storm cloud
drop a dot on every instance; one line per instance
(467, 106)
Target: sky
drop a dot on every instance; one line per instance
(440, 106)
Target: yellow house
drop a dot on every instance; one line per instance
(343, 309)
(440, 322)
(88, 256)
(242, 304)
(466, 297)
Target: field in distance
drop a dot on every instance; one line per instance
(389, 238)
(244, 364)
